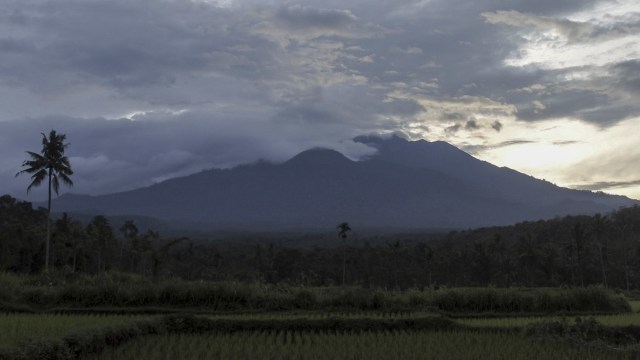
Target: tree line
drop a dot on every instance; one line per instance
(569, 251)
(572, 251)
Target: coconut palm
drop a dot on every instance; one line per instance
(50, 164)
(344, 229)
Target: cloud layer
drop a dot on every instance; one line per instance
(146, 90)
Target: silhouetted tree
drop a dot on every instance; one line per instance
(159, 254)
(130, 232)
(426, 257)
(599, 225)
(101, 234)
(67, 242)
(622, 221)
(50, 164)
(21, 233)
(342, 233)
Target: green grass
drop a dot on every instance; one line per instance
(17, 329)
(119, 290)
(341, 345)
(353, 335)
(607, 320)
(635, 305)
(315, 315)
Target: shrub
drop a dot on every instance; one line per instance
(305, 299)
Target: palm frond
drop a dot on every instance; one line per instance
(37, 179)
(36, 156)
(66, 179)
(50, 162)
(55, 183)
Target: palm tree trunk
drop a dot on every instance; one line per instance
(344, 262)
(46, 260)
(604, 274)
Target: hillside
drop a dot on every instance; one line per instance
(404, 185)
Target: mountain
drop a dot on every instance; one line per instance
(405, 184)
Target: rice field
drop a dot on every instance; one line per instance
(377, 345)
(513, 322)
(314, 315)
(477, 342)
(16, 329)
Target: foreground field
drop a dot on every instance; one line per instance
(517, 322)
(289, 336)
(341, 345)
(17, 329)
(120, 316)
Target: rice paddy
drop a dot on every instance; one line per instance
(394, 333)
(516, 322)
(17, 329)
(339, 345)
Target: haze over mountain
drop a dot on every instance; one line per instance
(403, 185)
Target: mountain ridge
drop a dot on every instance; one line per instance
(405, 184)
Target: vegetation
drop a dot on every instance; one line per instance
(502, 292)
(342, 234)
(230, 310)
(346, 345)
(117, 290)
(17, 329)
(521, 321)
(51, 165)
(574, 251)
(198, 337)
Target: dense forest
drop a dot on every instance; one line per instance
(568, 251)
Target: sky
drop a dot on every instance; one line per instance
(146, 90)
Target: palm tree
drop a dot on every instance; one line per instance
(50, 164)
(344, 229)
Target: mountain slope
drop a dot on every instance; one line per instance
(406, 184)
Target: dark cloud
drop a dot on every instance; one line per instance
(546, 7)
(562, 104)
(299, 16)
(513, 142)
(453, 128)
(606, 115)
(566, 142)
(628, 73)
(475, 149)
(471, 125)
(187, 85)
(107, 155)
(604, 185)
(10, 46)
(453, 116)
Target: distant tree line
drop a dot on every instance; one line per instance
(568, 251)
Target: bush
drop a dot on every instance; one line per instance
(583, 332)
(305, 299)
(119, 289)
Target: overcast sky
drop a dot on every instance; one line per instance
(151, 89)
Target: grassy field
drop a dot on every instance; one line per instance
(625, 319)
(377, 345)
(222, 320)
(517, 322)
(289, 336)
(17, 329)
(292, 315)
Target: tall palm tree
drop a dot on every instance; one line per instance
(50, 164)
(344, 229)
